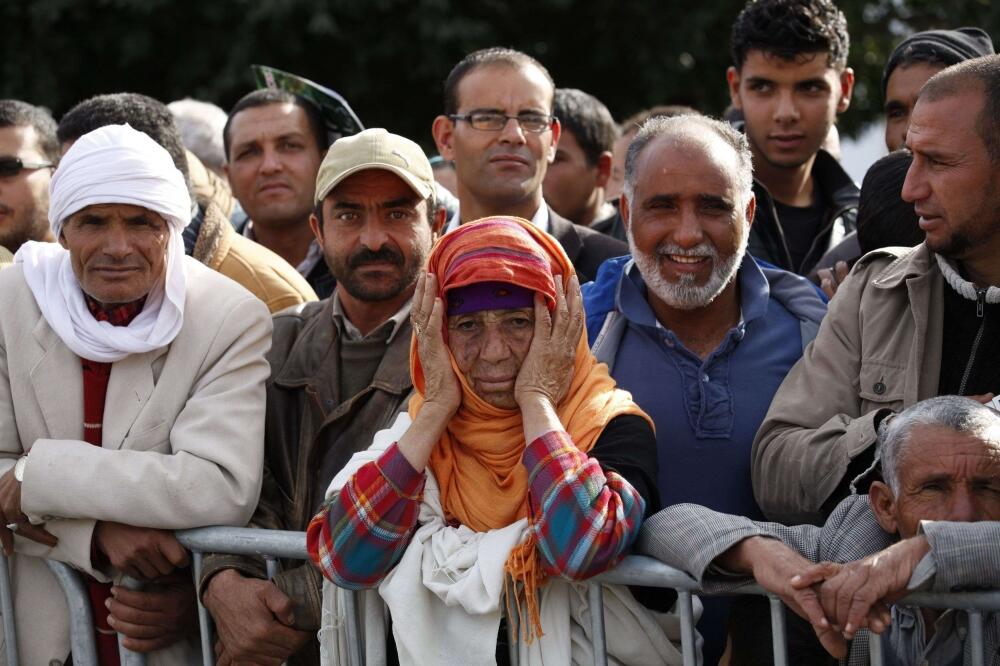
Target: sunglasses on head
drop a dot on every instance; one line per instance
(11, 166)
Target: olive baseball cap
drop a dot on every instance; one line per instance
(375, 149)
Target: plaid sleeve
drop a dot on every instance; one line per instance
(362, 532)
(585, 519)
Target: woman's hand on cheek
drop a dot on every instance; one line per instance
(547, 370)
(441, 387)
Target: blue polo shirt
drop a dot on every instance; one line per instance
(707, 412)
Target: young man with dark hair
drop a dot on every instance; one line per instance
(790, 79)
(574, 183)
(28, 154)
(274, 143)
(500, 164)
(209, 237)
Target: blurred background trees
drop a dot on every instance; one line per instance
(389, 57)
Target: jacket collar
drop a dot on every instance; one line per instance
(908, 264)
(313, 360)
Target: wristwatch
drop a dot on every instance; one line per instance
(19, 468)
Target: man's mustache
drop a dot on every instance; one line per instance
(382, 255)
(6, 210)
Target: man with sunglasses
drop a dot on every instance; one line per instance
(28, 154)
(499, 130)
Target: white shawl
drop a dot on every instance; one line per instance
(446, 598)
(113, 164)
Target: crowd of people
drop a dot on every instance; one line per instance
(478, 378)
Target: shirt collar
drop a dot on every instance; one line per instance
(540, 219)
(120, 315)
(387, 329)
(754, 294)
(313, 255)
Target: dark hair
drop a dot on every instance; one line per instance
(884, 219)
(636, 120)
(269, 96)
(492, 56)
(791, 29)
(588, 120)
(954, 80)
(15, 113)
(144, 114)
(432, 208)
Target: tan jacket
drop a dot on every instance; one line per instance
(266, 275)
(878, 348)
(183, 439)
(6, 258)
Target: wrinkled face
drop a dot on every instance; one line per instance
(375, 234)
(118, 251)
(687, 227)
(571, 182)
(504, 167)
(489, 347)
(788, 105)
(901, 93)
(273, 160)
(24, 196)
(952, 183)
(946, 475)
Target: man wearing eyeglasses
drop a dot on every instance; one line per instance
(28, 153)
(499, 130)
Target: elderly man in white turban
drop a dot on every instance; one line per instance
(131, 401)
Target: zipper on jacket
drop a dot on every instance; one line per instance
(981, 315)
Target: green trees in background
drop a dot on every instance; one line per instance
(389, 57)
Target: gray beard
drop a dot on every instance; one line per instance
(685, 294)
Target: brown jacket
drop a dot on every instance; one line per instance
(262, 272)
(310, 433)
(879, 348)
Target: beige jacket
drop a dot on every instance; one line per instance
(878, 348)
(182, 440)
(6, 258)
(266, 275)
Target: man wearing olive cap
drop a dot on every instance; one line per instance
(339, 373)
(131, 401)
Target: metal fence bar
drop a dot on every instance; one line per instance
(874, 649)
(128, 657)
(351, 608)
(595, 599)
(779, 640)
(684, 601)
(204, 621)
(7, 609)
(976, 637)
(81, 617)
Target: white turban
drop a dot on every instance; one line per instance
(111, 165)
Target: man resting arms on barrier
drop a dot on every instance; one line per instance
(918, 530)
(518, 462)
(131, 402)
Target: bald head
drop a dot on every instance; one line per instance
(981, 75)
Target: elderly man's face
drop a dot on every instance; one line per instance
(489, 348)
(687, 226)
(24, 196)
(953, 184)
(118, 251)
(945, 475)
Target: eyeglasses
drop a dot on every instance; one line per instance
(493, 121)
(11, 166)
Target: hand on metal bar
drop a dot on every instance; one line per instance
(140, 552)
(156, 616)
(253, 619)
(12, 519)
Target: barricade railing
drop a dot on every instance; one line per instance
(272, 545)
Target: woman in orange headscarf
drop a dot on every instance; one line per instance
(518, 459)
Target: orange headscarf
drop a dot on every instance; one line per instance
(477, 461)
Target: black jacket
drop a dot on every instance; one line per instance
(840, 196)
(587, 249)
